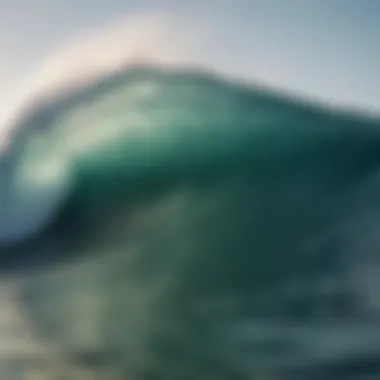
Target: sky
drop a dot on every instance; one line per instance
(327, 49)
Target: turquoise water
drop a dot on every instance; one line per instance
(155, 214)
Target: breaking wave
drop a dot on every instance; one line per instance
(190, 206)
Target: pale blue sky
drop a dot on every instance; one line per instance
(324, 48)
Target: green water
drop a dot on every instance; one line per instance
(184, 206)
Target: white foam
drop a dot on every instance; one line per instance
(154, 38)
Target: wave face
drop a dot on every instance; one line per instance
(174, 225)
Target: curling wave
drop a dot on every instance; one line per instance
(191, 206)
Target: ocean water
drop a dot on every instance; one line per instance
(165, 223)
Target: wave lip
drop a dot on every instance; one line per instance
(102, 53)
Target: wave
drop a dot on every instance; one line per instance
(179, 198)
(153, 119)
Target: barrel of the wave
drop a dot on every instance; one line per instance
(200, 220)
